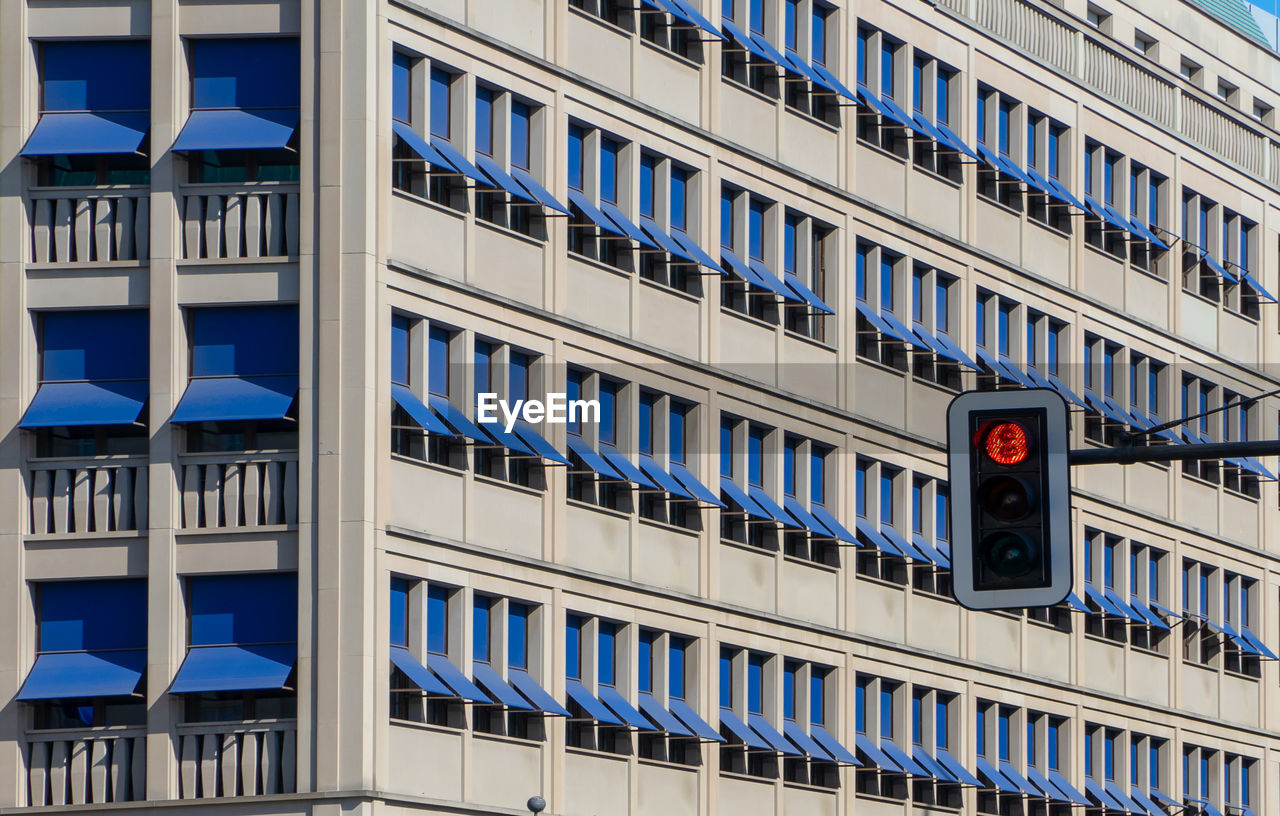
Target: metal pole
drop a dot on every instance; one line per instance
(1125, 454)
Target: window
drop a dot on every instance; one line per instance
(883, 336)
(1098, 18)
(227, 74)
(615, 12)
(1228, 93)
(678, 29)
(505, 371)
(1192, 71)
(749, 58)
(748, 249)
(421, 398)
(882, 122)
(665, 190)
(73, 88)
(1199, 397)
(1145, 44)
(1264, 113)
(603, 233)
(931, 83)
(999, 126)
(931, 301)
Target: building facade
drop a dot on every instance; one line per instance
(259, 257)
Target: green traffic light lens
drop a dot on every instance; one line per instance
(1009, 555)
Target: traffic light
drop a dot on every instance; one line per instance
(1010, 499)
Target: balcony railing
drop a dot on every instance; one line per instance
(87, 496)
(236, 760)
(235, 222)
(89, 225)
(86, 767)
(224, 491)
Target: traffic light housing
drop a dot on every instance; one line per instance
(1010, 499)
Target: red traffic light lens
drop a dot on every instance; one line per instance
(1006, 443)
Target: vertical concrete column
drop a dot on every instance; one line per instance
(166, 617)
(17, 356)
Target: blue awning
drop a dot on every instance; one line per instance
(230, 399)
(666, 242)
(742, 731)
(877, 322)
(1046, 787)
(418, 410)
(1092, 593)
(235, 668)
(497, 688)
(665, 720)
(457, 161)
(1142, 230)
(579, 447)
(624, 223)
(995, 779)
(895, 538)
(623, 465)
(664, 479)
(933, 766)
(832, 746)
(832, 83)
(421, 676)
(1164, 610)
(587, 701)
(87, 134)
(772, 281)
(797, 511)
(535, 189)
(694, 251)
(685, 713)
(414, 141)
(739, 497)
(455, 679)
(832, 524)
(763, 46)
(1119, 603)
(1139, 606)
(1073, 600)
(579, 199)
(872, 754)
(61, 675)
(954, 351)
(690, 14)
(899, 330)
(501, 179)
(1248, 278)
(735, 265)
(955, 142)
(691, 483)
(744, 42)
(539, 443)
(458, 421)
(934, 554)
(806, 294)
(1152, 809)
(1011, 773)
(868, 98)
(879, 541)
(902, 758)
(807, 744)
(535, 693)
(237, 129)
(86, 403)
(1256, 642)
(1117, 793)
(619, 705)
(1060, 782)
(1066, 392)
(761, 497)
(506, 439)
(1055, 190)
(770, 735)
(905, 119)
(957, 770)
(1101, 796)
(1219, 268)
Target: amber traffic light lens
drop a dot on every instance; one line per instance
(1006, 443)
(1005, 498)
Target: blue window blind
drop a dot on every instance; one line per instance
(1003, 733)
(942, 95)
(1088, 362)
(484, 120)
(645, 422)
(1133, 762)
(1204, 774)
(726, 219)
(726, 678)
(980, 320)
(400, 349)
(981, 123)
(401, 82)
(1031, 742)
(605, 640)
(917, 83)
(644, 678)
(1109, 564)
(81, 616)
(917, 507)
(1204, 592)
(577, 136)
(886, 496)
(1003, 119)
(608, 407)
(817, 696)
(1110, 160)
(1051, 352)
(1088, 169)
(675, 428)
(518, 374)
(917, 705)
(791, 17)
(818, 53)
(399, 612)
(886, 713)
(441, 91)
(886, 280)
(243, 609)
(1030, 350)
(789, 689)
(438, 619)
(1133, 190)
(757, 16)
(789, 226)
(517, 635)
(573, 392)
(1133, 572)
(679, 198)
(941, 520)
(480, 628)
(1153, 765)
(726, 9)
(940, 736)
(648, 169)
(1029, 144)
(483, 366)
(863, 36)
(755, 683)
(74, 76)
(1204, 408)
(755, 229)
(789, 467)
(1089, 547)
(521, 128)
(438, 362)
(887, 53)
(980, 731)
(1055, 148)
(726, 447)
(573, 647)
(609, 150)
(1053, 743)
(860, 707)
(755, 456)
(917, 295)
(1153, 200)
(244, 341)
(1088, 753)
(1002, 327)
(675, 666)
(860, 272)
(1204, 224)
(817, 475)
(1109, 755)
(94, 345)
(941, 307)
(860, 489)
(245, 73)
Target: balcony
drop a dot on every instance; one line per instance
(83, 225)
(226, 491)
(239, 222)
(86, 767)
(238, 759)
(86, 497)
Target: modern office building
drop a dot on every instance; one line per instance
(258, 257)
